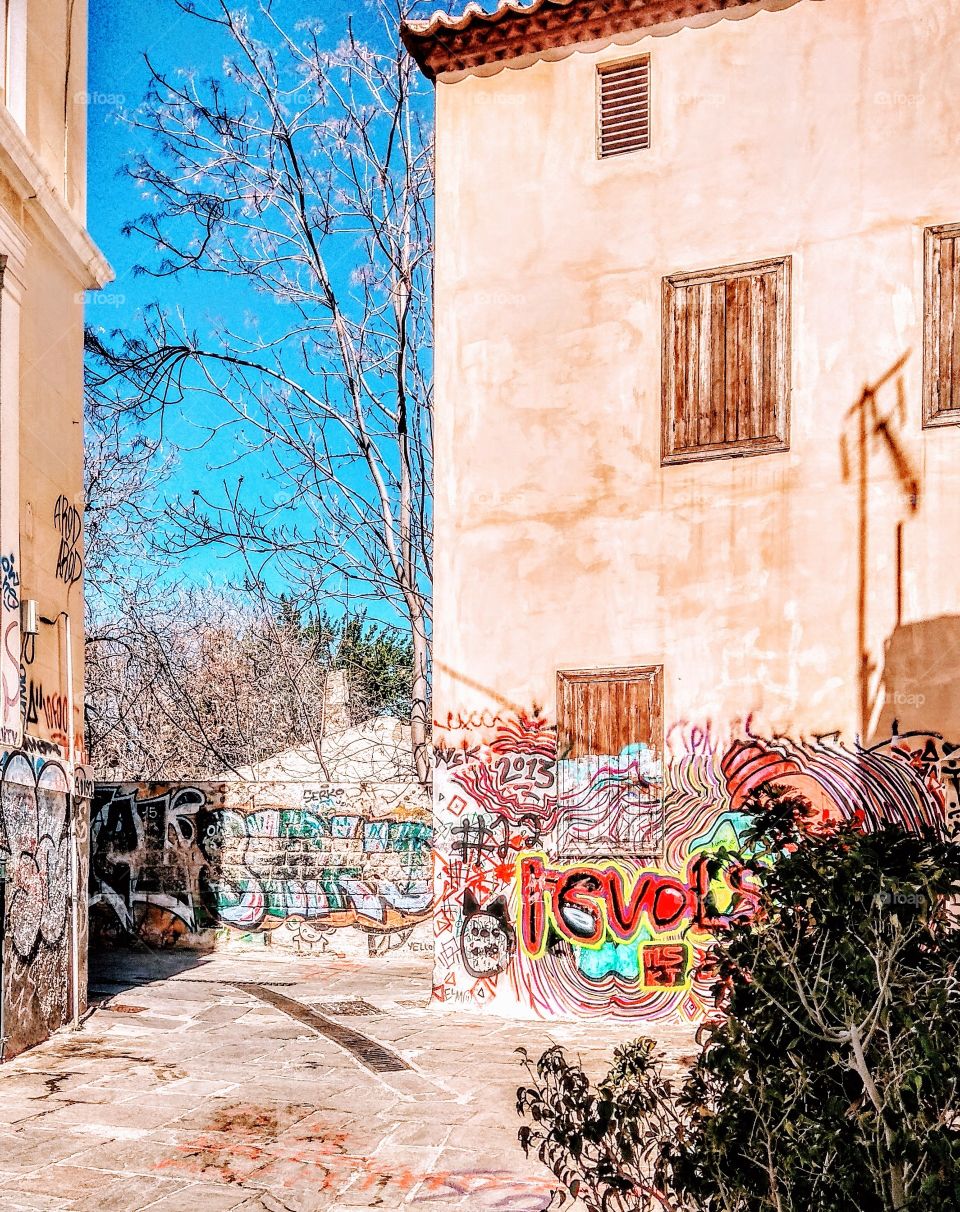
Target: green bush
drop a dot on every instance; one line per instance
(829, 1081)
(606, 1145)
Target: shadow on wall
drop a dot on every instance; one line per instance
(874, 429)
(920, 683)
(193, 864)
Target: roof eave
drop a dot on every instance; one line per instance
(453, 46)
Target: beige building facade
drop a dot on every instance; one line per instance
(697, 441)
(48, 262)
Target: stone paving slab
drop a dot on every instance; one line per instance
(194, 1096)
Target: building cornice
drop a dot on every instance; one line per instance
(26, 177)
(447, 46)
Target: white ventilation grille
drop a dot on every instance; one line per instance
(624, 108)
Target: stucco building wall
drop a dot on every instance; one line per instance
(825, 131)
(50, 262)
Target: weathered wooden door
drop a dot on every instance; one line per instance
(610, 767)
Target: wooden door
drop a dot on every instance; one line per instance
(610, 751)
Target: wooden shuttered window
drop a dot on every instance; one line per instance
(726, 362)
(610, 751)
(941, 325)
(623, 108)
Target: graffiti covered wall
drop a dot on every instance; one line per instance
(35, 847)
(289, 863)
(522, 925)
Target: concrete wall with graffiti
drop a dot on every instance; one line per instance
(35, 963)
(523, 927)
(291, 864)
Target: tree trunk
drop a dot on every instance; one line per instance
(897, 1184)
(420, 699)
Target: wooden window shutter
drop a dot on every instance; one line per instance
(610, 751)
(941, 325)
(726, 361)
(624, 108)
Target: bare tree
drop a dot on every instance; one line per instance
(124, 472)
(305, 175)
(200, 685)
(192, 683)
(179, 682)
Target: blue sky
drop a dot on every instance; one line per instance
(121, 33)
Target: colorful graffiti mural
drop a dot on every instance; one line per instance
(541, 909)
(11, 722)
(173, 862)
(33, 809)
(34, 845)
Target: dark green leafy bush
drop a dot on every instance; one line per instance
(606, 1145)
(829, 1081)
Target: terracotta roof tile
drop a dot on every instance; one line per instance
(450, 44)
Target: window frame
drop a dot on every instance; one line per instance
(933, 415)
(605, 69)
(738, 447)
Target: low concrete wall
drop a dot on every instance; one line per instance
(200, 863)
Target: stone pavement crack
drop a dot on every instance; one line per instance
(373, 1055)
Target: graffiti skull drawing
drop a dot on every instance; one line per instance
(487, 940)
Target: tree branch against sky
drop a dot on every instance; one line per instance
(298, 181)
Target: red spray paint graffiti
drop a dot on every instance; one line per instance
(631, 935)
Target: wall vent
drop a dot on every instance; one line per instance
(624, 108)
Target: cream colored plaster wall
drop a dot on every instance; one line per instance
(828, 131)
(51, 471)
(50, 262)
(56, 94)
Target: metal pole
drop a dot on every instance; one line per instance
(73, 840)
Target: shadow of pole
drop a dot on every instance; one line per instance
(873, 428)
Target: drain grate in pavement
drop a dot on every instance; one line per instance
(212, 980)
(355, 1006)
(375, 1056)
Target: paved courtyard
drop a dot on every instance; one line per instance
(245, 1081)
